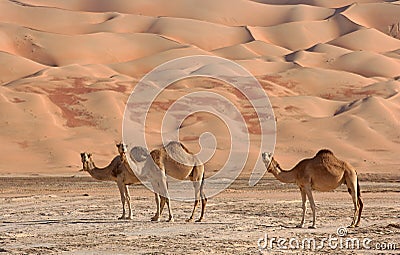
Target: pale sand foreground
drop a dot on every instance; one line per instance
(66, 215)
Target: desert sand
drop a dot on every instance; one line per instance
(331, 70)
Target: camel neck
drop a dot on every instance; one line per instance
(102, 174)
(285, 176)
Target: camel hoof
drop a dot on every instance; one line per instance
(351, 226)
(189, 220)
(155, 219)
(122, 218)
(171, 220)
(199, 220)
(299, 226)
(312, 227)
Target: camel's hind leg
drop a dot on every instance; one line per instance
(354, 192)
(360, 203)
(303, 206)
(197, 177)
(203, 198)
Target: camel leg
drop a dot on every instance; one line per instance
(162, 204)
(312, 204)
(121, 187)
(171, 217)
(128, 200)
(156, 217)
(303, 206)
(352, 188)
(360, 208)
(203, 207)
(203, 199)
(196, 199)
(167, 200)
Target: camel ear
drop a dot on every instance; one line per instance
(90, 154)
(270, 155)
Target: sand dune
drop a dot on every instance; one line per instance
(58, 50)
(16, 67)
(368, 40)
(209, 11)
(218, 36)
(380, 16)
(331, 69)
(302, 35)
(367, 64)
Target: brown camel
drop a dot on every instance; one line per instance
(116, 171)
(161, 164)
(323, 172)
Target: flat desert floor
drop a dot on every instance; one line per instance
(78, 215)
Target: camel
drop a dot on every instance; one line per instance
(122, 149)
(158, 164)
(323, 172)
(116, 171)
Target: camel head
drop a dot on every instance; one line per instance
(267, 159)
(122, 148)
(86, 159)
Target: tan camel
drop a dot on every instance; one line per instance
(116, 171)
(160, 164)
(323, 172)
(122, 149)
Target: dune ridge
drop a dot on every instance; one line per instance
(330, 68)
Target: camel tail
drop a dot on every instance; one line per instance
(203, 180)
(358, 189)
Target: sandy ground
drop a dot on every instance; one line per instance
(77, 215)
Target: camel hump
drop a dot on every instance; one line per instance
(156, 155)
(177, 144)
(324, 152)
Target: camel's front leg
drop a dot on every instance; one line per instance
(128, 200)
(312, 204)
(163, 188)
(196, 186)
(121, 187)
(156, 217)
(162, 204)
(303, 206)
